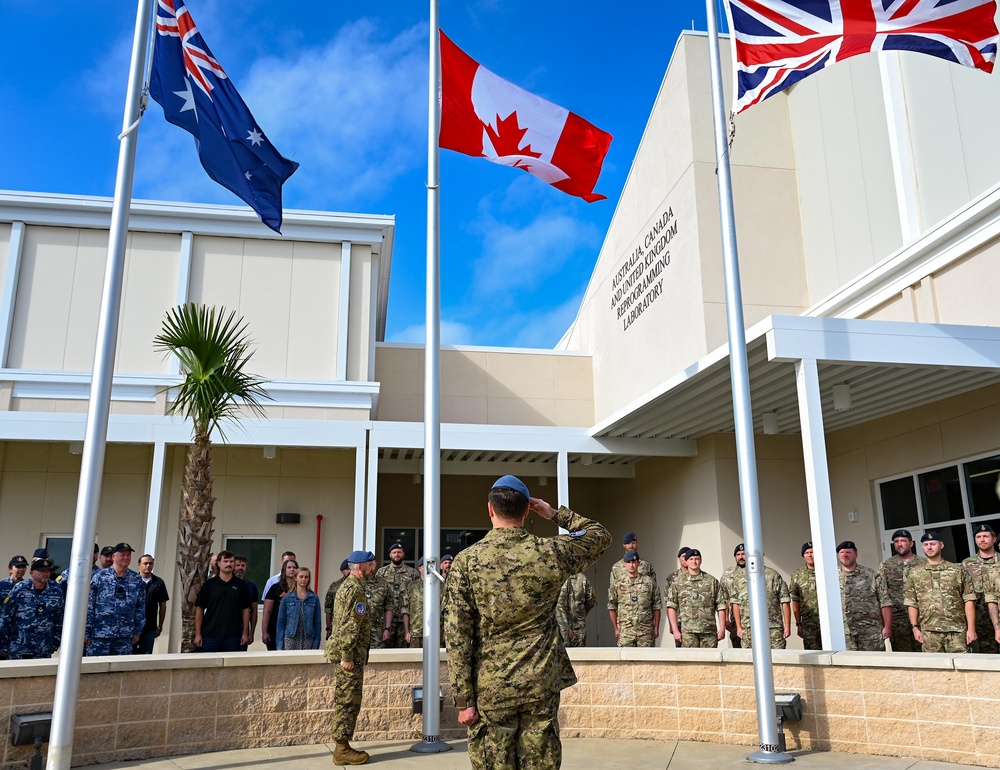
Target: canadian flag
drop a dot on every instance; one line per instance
(485, 116)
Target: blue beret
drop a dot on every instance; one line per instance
(361, 557)
(344, 565)
(631, 556)
(447, 557)
(738, 548)
(512, 482)
(685, 551)
(694, 552)
(983, 528)
(845, 544)
(806, 547)
(930, 534)
(902, 533)
(629, 538)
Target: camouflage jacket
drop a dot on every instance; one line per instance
(698, 600)
(117, 607)
(618, 570)
(981, 571)
(500, 622)
(864, 595)
(729, 581)
(352, 621)
(7, 585)
(634, 600)
(802, 591)
(331, 594)
(576, 599)
(939, 592)
(776, 591)
(31, 621)
(893, 571)
(377, 593)
(397, 579)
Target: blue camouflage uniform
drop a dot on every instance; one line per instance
(117, 612)
(7, 585)
(31, 621)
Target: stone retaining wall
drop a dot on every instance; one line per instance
(931, 706)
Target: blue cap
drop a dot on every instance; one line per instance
(806, 547)
(343, 565)
(902, 533)
(40, 553)
(512, 482)
(447, 557)
(361, 557)
(631, 556)
(683, 552)
(629, 538)
(930, 534)
(983, 528)
(846, 545)
(17, 561)
(738, 548)
(694, 552)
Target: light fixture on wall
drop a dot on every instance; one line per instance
(417, 478)
(587, 458)
(770, 420)
(841, 397)
(543, 481)
(76, 447)
(270, 452)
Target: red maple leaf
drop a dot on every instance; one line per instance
(508, 136)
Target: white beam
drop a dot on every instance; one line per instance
(8, 298)
(368, 543)
(344, 311)
(563, 482)
(466, 468)
(360, 464)
(153, 501)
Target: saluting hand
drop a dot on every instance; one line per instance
(542, 508)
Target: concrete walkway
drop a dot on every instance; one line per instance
(578, 753)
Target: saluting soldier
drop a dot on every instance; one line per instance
(506, 660)
(331, 595)
(17, 566)
(634, 604)
(696, 606)
(397, 577)
(729, 581)
(893, 571)
(117, 610)
(981, 567)
(941, 600)
(631, 543)
(805, 601)
(779, 611)
(348, 650)
(576, 599)
(867, 606)
(31, 617)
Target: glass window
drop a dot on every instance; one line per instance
(60, 548)
(406, 537)
(899, 504)
(259, 552)
(981, 477)
(941, 495)
(454, 540)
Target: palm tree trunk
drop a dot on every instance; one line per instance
(195, 536)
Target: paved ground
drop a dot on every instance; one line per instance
(585, 753)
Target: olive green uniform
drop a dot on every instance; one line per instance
(397, 579)
(413, 605)
(698, 599)
(802, 590)
(729, 581)
(618, 570)
(576, 599)
(893, 571)
(349, 643)
(981, 571)
(939, 592)
(377, 591)
(776, 593)
(864, 594)
(505, 657)
(635, 600)
(331, 595)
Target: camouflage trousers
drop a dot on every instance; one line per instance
(945, 641)
(812, 639)
(865, 639)
(987, 642)
(578, 639)
(121, 646)
(694, 639)
(347, 701)
(376, 643)
(522, 737)
(778, 641)
(902, 638)
(636, 638)
(397, 636)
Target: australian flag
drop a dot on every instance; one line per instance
(195, 93)
(779, 42)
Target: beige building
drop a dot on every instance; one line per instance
(868, 220)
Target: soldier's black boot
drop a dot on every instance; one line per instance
(343, 754)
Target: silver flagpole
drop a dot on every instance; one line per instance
(92, 464)
(767, 723)
(431, 742)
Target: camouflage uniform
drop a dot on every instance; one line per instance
(116, 613)
(351, 618)
(397, 579)
(505, 657)
(728, 581)
(576, 600)
(981, 571)
(31, 621)
(666, 592)
(7, 585)
(893, 571)
(776, 592)
(63, 579)
(864, 595)
(635, 600)
(331, 595)
(413, 605)
(802, 590)
(939, 592)
(698, 600)
(618, 570)
(377, 591)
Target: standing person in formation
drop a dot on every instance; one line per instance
(156, 606)
(893, 571)
(117, 610)
(331, 595)
(222, 614)
(300, 621)
(63, 579)
(805, 601)
(981, 567)
(413, 608)
(31, 616)
(682, 568)
(240, 570)
(505, 658)
(696, 604)
(272, 601)
(576, 599)
(867, 606)
(377, 591)
(347, 649)
(397, 577)
(631, 543)
(779, 611)
(730, 586)
(634, 604)
(16, 568)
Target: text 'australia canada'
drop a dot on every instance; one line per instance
(637, 282)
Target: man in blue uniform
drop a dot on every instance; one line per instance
(117, 611)
(63, 579)
(16, 567)
(31, 616)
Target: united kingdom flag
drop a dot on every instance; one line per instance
(779, 42)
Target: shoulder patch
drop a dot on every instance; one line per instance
(361, 608)
(578, 533)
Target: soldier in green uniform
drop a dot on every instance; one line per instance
(378, 607)
(576, 600)
(728, 581)
(682, 568)
(779, 611)
(413, 610)
(397, 577)
(981, 568)
(805, 602)
(348, 650)
(634, 603)
(696, 604)
(631, 543)
(867, 606)
(893, 571)
(941, 600)
(506, 661)
(331, 594)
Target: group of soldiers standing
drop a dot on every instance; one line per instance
(915, 602)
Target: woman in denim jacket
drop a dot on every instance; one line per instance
(300, 616)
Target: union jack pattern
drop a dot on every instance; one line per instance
(174, 21)
(779, 42)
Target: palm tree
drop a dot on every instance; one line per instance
(213, 349)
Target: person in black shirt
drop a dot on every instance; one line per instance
(222, 617)
(156, 606)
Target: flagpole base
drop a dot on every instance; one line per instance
(430, 745)
(770, 758)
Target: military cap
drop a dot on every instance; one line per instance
(512, 482)
(902, 533)
(846, 544)
(694, 552)
(361, 557)
(18, 561)
(983, 528)
(629, 538)
(394, 546)
(43, 562)
(40, 553)
(122, 548)
(685, 552)
(107, 550)
(930, 534)
(738, 548)
(343, 565)
(631, 556)
(806, 546)
(447, 557)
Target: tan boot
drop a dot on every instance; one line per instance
(343, 754)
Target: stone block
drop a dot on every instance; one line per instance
(987, 739)
(937, 683)
(184, 681)
(833, 678)
(246, 702)
(612, 694)
(737, 674)
(884, 706)
(181, 732)
(373, 721)
(654, 673)
(739, 722)
(984, 712)
(614, 718)
(132, 735)
(93, 712)
(896, 732)
(6, 692)
(664, 736)
(946, 737)
(376, 675)
(578, 695)
(91, 740)
(572, 717)
(792, 678)
(699, 721)
(699, 696)
(943, 709)
(238, 727)
(409, 675)
(658, 719)
(656, 695)
(98, 686)
(280, 700)
(955, 757)
(887, 680)
(693, 673)
(836, 703)
(143, 683)
(739, 698)
(598, 673)
(981, 684)
(201, 706)
(843, 729)
(35, 691)
(400, 696)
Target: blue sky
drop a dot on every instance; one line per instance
(340, 87)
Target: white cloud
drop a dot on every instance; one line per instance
(534, 329)
(452, 333)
